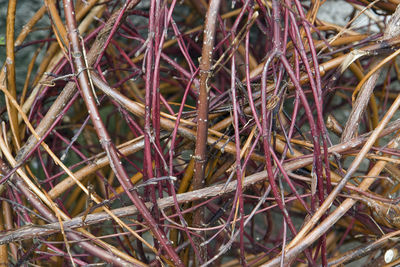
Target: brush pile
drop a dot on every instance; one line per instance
(200, 133)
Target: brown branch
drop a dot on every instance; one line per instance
(3, 248)
(10, 71)
(200, 155)
(363, 250)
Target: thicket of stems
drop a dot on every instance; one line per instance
(200, 133)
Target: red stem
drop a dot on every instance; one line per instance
(104, 138)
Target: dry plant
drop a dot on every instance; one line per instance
(200, 133)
